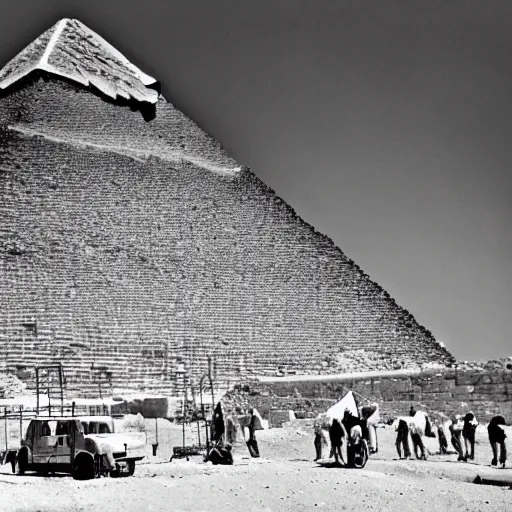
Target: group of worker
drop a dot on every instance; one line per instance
(225, 429)
(350, 428)
(460, 430)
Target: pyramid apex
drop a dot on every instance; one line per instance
(72, 50)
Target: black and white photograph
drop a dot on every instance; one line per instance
(255, 255)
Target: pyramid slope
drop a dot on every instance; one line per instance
(133, 248)
(71, 50)
(129, 268)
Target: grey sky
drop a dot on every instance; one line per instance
(386, 125)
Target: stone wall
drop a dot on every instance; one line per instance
(129, 253)
(443, 392)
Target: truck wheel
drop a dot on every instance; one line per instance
(83, 470)
(131, 468)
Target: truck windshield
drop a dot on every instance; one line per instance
(95, 427)
(47, 428)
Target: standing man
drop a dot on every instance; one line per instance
(402, 439)
(254, 424)
(217, 427)
(320, 440)
(336, 435)
(497, 438)
(231, 428)
(441, 436)
(469, 433)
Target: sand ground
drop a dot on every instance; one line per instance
(284, 479)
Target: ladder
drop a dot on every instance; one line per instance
(49, 379)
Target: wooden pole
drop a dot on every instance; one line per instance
(48, 376)
(61, 391)
(5, 422)
(21, 423)
(37, 391)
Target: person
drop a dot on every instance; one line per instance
(417, 442)
(468, 433)
(370, 415)
(254, 424)
(352, 426)
(456, 431)
(231, 428)
(221, 455)
(336, 435)
(497, 438)
(45, 429)
(402, 439)
(441, 436)
(412, 411)
(320, 440)
(217, 427)
(428, 427)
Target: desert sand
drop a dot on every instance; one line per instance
(285, 478)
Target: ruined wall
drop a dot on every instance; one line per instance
(127, 253)
(486, 393)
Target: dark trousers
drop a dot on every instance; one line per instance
(336, 451)
(402, 440)
(457, 444)
(503, 452)
(469, 442)
(318, 446)
(419, 447)
(443, 442)
(252, 444)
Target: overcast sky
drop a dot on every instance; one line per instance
(386, 125)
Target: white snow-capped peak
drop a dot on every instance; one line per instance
(72, 50)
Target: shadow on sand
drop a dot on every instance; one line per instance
(37, 475)
(331, 464)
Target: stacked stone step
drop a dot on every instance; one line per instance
(148, 265)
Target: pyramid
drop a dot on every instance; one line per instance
(134, 250)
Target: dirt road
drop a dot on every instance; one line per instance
(284, 479)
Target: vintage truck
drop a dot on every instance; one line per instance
(84, 446)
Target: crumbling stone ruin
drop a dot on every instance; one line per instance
(484, 388)
(133, 247)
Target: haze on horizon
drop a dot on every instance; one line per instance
(386, 127)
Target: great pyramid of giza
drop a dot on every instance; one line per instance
(133, 247)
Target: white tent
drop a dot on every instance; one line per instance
(338, 410)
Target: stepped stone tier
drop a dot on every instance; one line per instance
(132, 247)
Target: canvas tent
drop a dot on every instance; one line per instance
(338, 409)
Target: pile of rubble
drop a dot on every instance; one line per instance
(504, 363)
(351, 361)
(11, 386)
